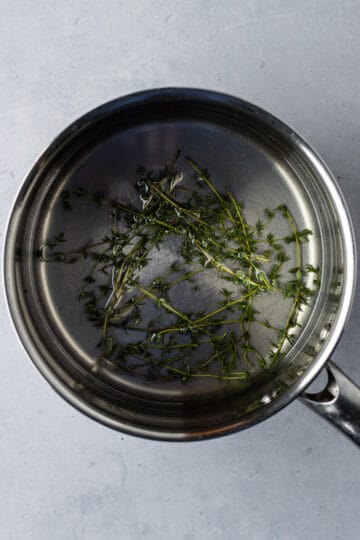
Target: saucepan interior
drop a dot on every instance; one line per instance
(263, 163)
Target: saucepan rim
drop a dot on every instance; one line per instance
(349, 256)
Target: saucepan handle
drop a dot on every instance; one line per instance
(339, 402)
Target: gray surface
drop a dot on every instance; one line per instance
(65, 477)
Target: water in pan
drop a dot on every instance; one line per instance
(256, 175)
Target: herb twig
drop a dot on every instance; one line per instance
(214, 236)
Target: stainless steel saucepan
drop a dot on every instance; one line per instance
(265, 163)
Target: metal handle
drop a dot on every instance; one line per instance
(339, 402)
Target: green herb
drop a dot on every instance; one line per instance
(213, 236)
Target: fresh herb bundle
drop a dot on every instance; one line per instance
(144, 330)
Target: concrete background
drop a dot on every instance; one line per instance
(62, 476)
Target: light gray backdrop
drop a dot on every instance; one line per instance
(62, 476)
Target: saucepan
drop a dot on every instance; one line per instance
(265, 164)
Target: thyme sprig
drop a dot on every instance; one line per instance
(213, 238)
